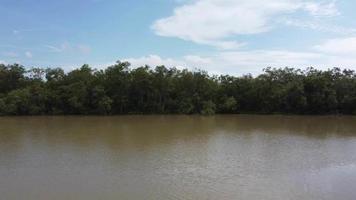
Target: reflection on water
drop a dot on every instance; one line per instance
(178, 157)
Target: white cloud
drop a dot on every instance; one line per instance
(68, 47)
(338, 46)
(3, 62)
(320, 9)
(223, 45)
(10, 54)
(189, 61)
(58, 49)
(319, 26)
(212, 22)
(84, 48)
(341, 61)
(153, 60)
(28, 54)
(255, 61)
(197, 60)
(244, 62)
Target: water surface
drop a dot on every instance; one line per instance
(178, 157)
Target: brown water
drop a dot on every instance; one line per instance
(178, 157)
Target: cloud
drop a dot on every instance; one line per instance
(10, 54)
(338, 46)
(213, 22)
(58, 49)
(322, 9)
(189, 61)
(197, 59)
(84, 48)
(232, 62)
(254, 61)
(223, 45)
(317, 25)
(3, 62)
(68, 47)
(153, 60)
(28, 54)
(244, 62)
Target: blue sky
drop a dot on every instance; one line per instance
(221, 36)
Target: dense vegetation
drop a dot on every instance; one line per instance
(121, 90)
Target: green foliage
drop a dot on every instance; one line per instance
(2, 107)
(229, 105)
(121, 90)
(209, 108)
(186, 107)
(12, 77)
(104, 105)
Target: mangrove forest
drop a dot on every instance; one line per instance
(120, 89)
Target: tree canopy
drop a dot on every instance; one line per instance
(120, 89)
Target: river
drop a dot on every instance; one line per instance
(223, 157)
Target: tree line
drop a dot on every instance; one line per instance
(120, 89)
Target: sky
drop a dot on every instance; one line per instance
(221, 36)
